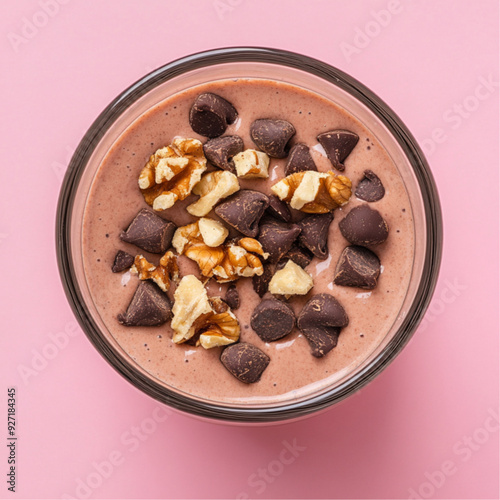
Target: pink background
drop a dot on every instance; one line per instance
(427, 427)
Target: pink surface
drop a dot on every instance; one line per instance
(426, 428)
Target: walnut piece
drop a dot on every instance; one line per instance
(291, 280)
(251, 164)
(212, 232)
(191, 305)
(162, 274)
(226, 262)
(172, 172)
(194, 313)
(314, 192)
(213, 187)
(220, 328)
(188, 240)
(239, 260)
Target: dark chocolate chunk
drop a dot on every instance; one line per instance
(243, 211)
(338, 145)
(320, 321)
(322, 341)
(210, 115)
(322, 309)
(314, 233)
(245, 361)
(272, 320)
(299, 159)
(232, 298)
(279, 266)
(301, 256)
(277, 238)
(149, 307)
(261, 283)
(370, 188)
(123, 260)
(278, 209)
(272, 136)
(149, 232)
(358, 267)
(364, 226)
(221, 150)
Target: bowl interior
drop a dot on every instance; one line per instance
(316, 77)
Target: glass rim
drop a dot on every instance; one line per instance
(410, 147)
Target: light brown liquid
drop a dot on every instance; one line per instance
(293, 372)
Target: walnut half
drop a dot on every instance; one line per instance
(226, 262)
(172, 172)
(314, 192)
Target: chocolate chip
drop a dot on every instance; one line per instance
(279, 266)
(370, 188)
(232, 298)
(277, 238)
(364, 226)
(301, 256)
(314, 233)
(149, 232)
(321, 341)
(358, 267)
(278, 209)
(245, 361)
(149, 307)
(299, 159)
(221, 150)
(338, 145)
(243, 211)
(320, 321)
(123, 260)
(272, 320)
(261, 283)
(323, 309)
(272, 136)
(210, 115)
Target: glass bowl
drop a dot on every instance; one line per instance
(279, 66)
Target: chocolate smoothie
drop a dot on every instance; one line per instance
(115, 199)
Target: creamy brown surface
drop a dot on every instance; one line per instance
(115, 199)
